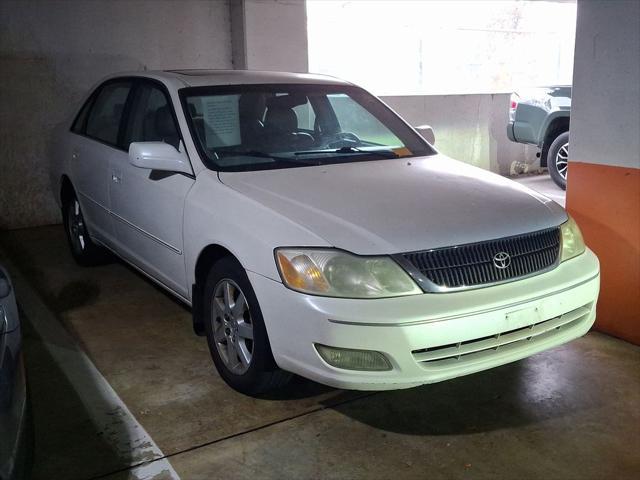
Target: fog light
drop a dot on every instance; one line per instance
(367, 360)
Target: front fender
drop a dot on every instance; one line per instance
(553, 115)
(215, 214)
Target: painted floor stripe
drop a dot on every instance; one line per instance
(107, 411)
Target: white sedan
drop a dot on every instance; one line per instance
(313, 231)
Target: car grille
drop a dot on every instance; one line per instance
(473, 264)
(480, 349)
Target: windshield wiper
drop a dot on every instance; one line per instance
(259, 154)
(382, 152)
(245, 153)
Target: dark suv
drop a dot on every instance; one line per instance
(540, 116)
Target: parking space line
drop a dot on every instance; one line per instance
(362, 395)
(107, 411)
(142, 458)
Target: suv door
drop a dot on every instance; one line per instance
(98, 129)
(148, 205)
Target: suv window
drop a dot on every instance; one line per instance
(151, 118)
(103, 122)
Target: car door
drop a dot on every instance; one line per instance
(94, 145)
(148, 205)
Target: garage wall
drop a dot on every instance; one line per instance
(51, 52)
(603, 190)
(471, 128)
(270, 35)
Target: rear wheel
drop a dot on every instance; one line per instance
(236, 333)
(558, 159)
(85, 252)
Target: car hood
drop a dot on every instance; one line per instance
(399, 205)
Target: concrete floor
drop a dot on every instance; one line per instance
(573, 412)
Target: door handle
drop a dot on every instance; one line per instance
(116, 177)
(74, 155)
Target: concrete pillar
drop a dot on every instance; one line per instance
(603, 191)
(269, 35)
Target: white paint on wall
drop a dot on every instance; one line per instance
(605, 112)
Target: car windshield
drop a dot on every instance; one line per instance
(257, 127)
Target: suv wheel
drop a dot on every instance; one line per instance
(236, 333)
(558, 160)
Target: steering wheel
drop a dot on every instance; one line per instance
(343, 139)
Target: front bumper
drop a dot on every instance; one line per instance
(431, 337)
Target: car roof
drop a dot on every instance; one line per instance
(201, 78)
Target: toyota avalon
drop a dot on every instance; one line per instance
(313, 231)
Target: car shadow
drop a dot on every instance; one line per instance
(514, 395)
(298, 388)
(77, 292)
(74, 295)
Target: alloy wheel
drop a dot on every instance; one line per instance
(562, 160)
(77, 230)
(232, 326)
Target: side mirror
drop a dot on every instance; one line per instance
(427, 133)
(158, 156)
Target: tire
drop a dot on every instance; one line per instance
(557, 160)
(84, 251)
(236, 333)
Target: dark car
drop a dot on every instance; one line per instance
(14, 418)
(540, 116)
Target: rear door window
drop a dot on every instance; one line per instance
(103, 122)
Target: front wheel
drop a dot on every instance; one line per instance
(558, 160)
(236, 333)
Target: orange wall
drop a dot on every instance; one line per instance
(605, 201)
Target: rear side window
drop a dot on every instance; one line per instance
(151, 118)
(81, 119)
(103, 122)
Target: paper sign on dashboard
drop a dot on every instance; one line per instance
(222, 116)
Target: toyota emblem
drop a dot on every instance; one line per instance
(502, 260)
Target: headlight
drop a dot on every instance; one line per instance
(334, 273)
(572, 241)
